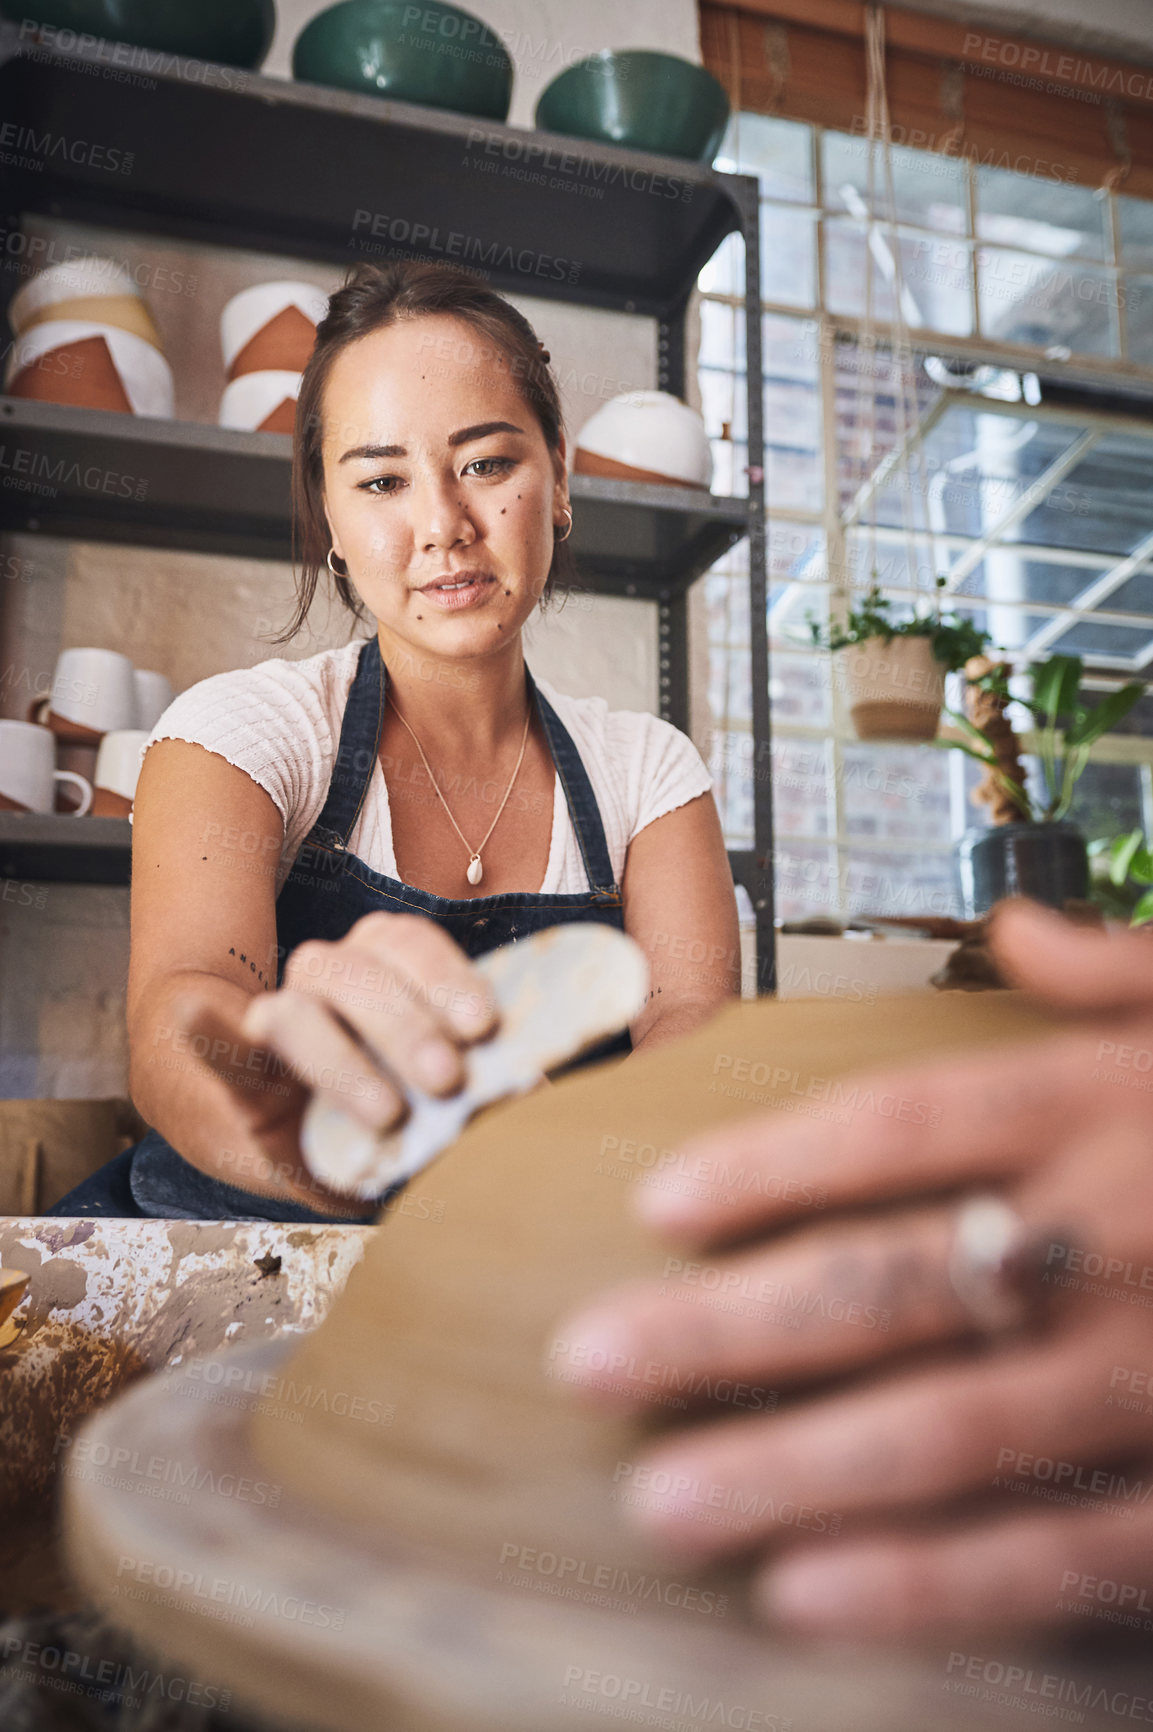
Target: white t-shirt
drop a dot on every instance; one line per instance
(279, 721)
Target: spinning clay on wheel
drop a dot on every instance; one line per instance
(424, 1528)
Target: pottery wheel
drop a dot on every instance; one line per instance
(319, 1596)
(310, 1622)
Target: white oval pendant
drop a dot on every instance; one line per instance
(475, 870)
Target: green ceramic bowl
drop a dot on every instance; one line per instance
(231, 32)
(634, 96)
(409, 50)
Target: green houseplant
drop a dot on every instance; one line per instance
(1128, 862)
(894, 670)
(1030, 847)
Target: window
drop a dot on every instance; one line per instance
(949, 456)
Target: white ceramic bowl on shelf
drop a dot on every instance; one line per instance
(646, 436)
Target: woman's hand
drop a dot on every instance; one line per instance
(393, 1001)
(917, 1480)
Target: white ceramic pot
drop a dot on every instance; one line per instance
(93, 290)
(271, 327)
(90, 366)
(646, 436)
(261, 402)
(895, 689)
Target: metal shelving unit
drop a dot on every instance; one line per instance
(233, 159)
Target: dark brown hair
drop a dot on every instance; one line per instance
(372, 297)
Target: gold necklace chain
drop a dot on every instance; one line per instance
(475, 871)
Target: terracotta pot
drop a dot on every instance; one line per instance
(591, 463)
(107, 803)
(895, 689)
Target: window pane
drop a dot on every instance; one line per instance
(792, 411)
(935, 276)
(1136, 226)
(780, 152)
(903, 882)
(1107, 801)
(876, 398)
(893, 564)
(729, 758)
(896, 793)
(805, 880)
(722, 335)
(1135, 595)
(799, 689)
(791, 347)
(974, 469)
(793, 445)
(797, 567)
(1105, 504)
(928, 189)
(846, 285)
(1007, 576)
(1046, 304)
(788, 256)
(801, 781)
(938, 278)
(1043, 215)
(1087, 638)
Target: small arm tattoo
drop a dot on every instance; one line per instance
(241, 956)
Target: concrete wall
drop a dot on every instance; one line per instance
(64, 950)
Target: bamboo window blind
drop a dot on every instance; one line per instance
(998, 99)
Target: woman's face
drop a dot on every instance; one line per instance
(440, 490)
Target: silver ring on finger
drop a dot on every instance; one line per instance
(997, 1265)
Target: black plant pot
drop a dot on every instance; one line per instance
(1048, 862)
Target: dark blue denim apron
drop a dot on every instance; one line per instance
(325, 893)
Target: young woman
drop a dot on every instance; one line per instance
(321, 846)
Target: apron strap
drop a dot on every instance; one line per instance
(582, 802)
(359, 749)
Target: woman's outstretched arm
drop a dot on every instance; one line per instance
(680, 907)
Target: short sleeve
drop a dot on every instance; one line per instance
(275, 722)
(665, 770)
(232, 715)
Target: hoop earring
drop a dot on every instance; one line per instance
(568, 531)
(331, 567)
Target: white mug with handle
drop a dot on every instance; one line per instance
(28, 773)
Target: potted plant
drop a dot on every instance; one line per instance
(1030, 847)
(894, 670)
